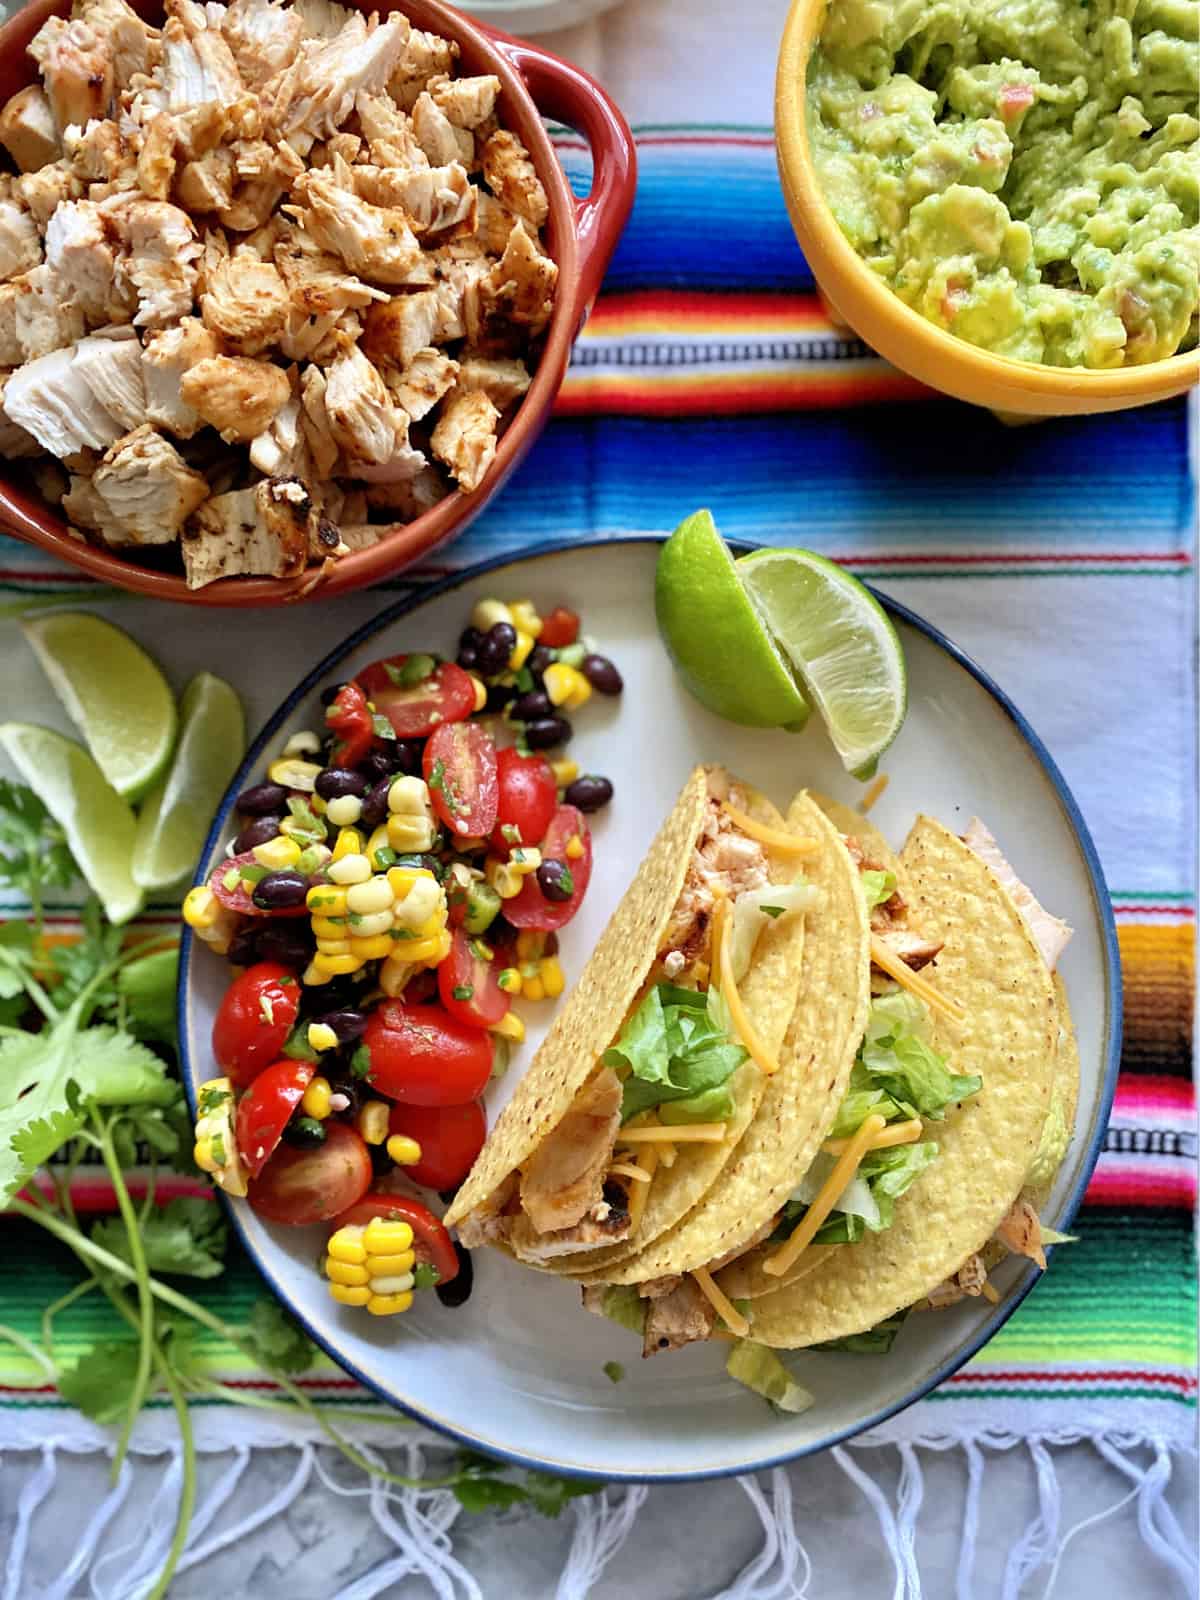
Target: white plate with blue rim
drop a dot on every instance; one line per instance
(519, 1370)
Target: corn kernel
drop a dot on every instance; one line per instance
(408, 796)
(317, 806)
(386, 1235)
(445, 943)
(371, 927)
(504, 879)
(389, 1305)
(294, 828)
(574, 848)
(530, 944)
(305, 743)
(330, 928)
(401, 879)
(566, 686)
(551, 973)
(345, 1272)
(202, 1155)
(327, 900)
(377, 948)
(200, 907)
(565, 772)
(378, 841)
(373, 895)
(533, 988)
(511, 1027)
(394, 974)
(525, 859)
(520, 651)
(410, 835)
(334, 947)
(277, 854)
(344, 810)
(390, 1282)
(480, 689)
(350, 868)
(372, 1121)
(405, 1152)
(335, 966)
(321, 1037)
(313, 974)
(525, 617)
(508, 980)
(293, 773)
(389, 1266)
(346, 1296)
(346, 1245)
(349, 843)
(318, 1097)
(487, 613)
(423, 901)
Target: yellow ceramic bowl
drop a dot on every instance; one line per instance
(896, 331)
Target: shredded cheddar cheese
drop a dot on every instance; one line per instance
(722, 955)
(788, 844)
(627, 1169)
(684, 1133)
(990, 1292)
(640, 1191)
(721, 1304)
(899, 1133)
(873, 793)
(888, 961)
(831, 1192)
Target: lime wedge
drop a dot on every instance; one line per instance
(177, 813)
(839, 639)
(720, 649)
(98, 824)
(113, 692)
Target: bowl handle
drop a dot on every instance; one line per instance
(572, 97)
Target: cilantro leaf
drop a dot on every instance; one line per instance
(187, 1236)
(33, 850)
(279, 1342)
(483, 1485)
(76, 963)
(101, 1382)
(425, 1275)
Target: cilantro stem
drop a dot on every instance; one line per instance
(133, 1232)
(187, 1498)
(31, 1350)
(59, 1305)
(260, 1402)
(30, 984)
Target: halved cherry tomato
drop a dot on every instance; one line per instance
(527, 798)
(459, 764)
(265, 1109)
(531, 909)
(450, 1138)
(420, 1055)
(446, 695)
(234, 891)
(467, 984)
(303, 1186)
(350, 720)
(559, 628)
(256, 1015)
(432, 1245)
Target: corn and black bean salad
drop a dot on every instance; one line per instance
(396, 883)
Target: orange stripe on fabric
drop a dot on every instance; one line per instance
(726, 394)
(661, 311)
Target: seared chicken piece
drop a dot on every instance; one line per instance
(245, 304)
(656, 1288)
(724, 863)
(441, 141)
(135, 46)
(521, 284)
(407, 500)
(45, 321)
(608, 1222)
(15, 442)
(677, 1319)
(78, 251)
(156, 158)
(460, 296)
(147, 490)
(512, 178)
(375, 242)
(440, 200)
(466, 102)
(316, 281)
(397, 329)
(502, 380)
(380, 118)
(322, 19)
(889, 919)
(564, 1178)
(236, 396)
(493, 223)
(315, 423)
(165, 359)
(282, 450)
(20, 242)
(264, 36)
(98, 154)
(111, 367)
(1050, 934)
(158, 257)
(43, 191)
(968, 1280)
(315, 94)
(426, 56)
(1021, 1231)
(11, 354)
(429, 375)
(207, 183)
(360, 409)
(76, 63)
(465, 436)
(197, 70)
(28, 130)
(50, 400)
(262, 531)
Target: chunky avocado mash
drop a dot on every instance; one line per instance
(1024, 173)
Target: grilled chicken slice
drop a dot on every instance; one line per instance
(156, 159)
(967, 1281)
(466, 102)
(317, 282)
(165, 359)
(520, 286)
(395, 329)
(656, 1288)
(20, 241)
(441, 141)
(15, 442)
(375, 242)
(49, 399)
(207, 183)
(263, 531)
(245, 304)
(465, 436)
(136, 47)
(77, 67)
(606, 1223)
(889, 920)
(197, 71)
(145, 489)
(322, 19)
(677, 1319)
(159, 251)
(429, 375)
(437, 200)
(503, 380)
(513, 179)
(564, 1180)
(235, 395)
(111, 366)
(43, 191)
(314, 420)
(28, 130)
(1021, 1231)
(1050, 934)
(264, 36)
(84, 265)
(315, 93)
(281, 451)
(44, 319)
(724, 862)
(426, 56)
(360, 409)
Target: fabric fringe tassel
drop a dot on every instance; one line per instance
(417, 1523)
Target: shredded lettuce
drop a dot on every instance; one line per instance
(676, 1048)
(759, 1369)
(878, 886)
(876, 1341)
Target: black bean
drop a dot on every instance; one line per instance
(540, 657)
(499, 695)
(357, 1092)
(280, 891)
(306, 1133)
(470, 639)
(494, 649)
(262, 799)
(381, 1162)
(257, 831)
(533, 705)
(348, 1025)
(602, 674)
(555, 880)
(329, 695)
(289, 943)
(501, 934)
(391, 755)
(547, 732)
(589, 793)
(468, 658)
(243, 947)
(458, 1290)
(335, 782)
(375, 804)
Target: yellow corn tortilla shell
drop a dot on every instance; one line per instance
(993, 970)
(768, 992)
(800, 1099)
(848, 821)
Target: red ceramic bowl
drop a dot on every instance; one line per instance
(580, 235)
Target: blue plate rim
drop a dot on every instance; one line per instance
(1114, 1011)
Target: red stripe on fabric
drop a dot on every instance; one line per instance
(645, 141)
(1155, 1090)
(695, 302)
(1184, 913)
(728, 399)
(1127, 1187)
(1175, 557)
(1173, 1380)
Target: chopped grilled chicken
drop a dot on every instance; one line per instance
(488, 1222)
(156, 158)
(28, 130)
(502, 380)
(262, 531)
(112, 369)
(441, 141)
(316, 338)
(76, 63)
(375, 242)
(564, 1179)
(1021, 1231)
(512, 178)
(396, 329)
(20, 242)
(605, 1224)
(466, 102)
(165, 359)
(437, 200)
(207, 183)
(322, 19)
(677, 1319)
(146, 490)
(318, 431)
(136, 47)
(197, 70)
(245, 304)
(315, 93)
(968, 1280)
(889, 920)
(264, 36)
(426, 56)
(409, 500)
(84, 266)
(724, 861)
(317, 282)
(459, 291)
(50, 400)
(380, 118)
(521, 284)
(44, 320)
(281, 451)
(360, 410)
(1050, 934)
(264, 172)
(656, 1288)
(493, 223)
(235, 395)
(15, 442)
(11, 354)
(159, 253)
(45, 190)
(429, 375)
(465, 436)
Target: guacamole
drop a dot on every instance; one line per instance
(1024, 173)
